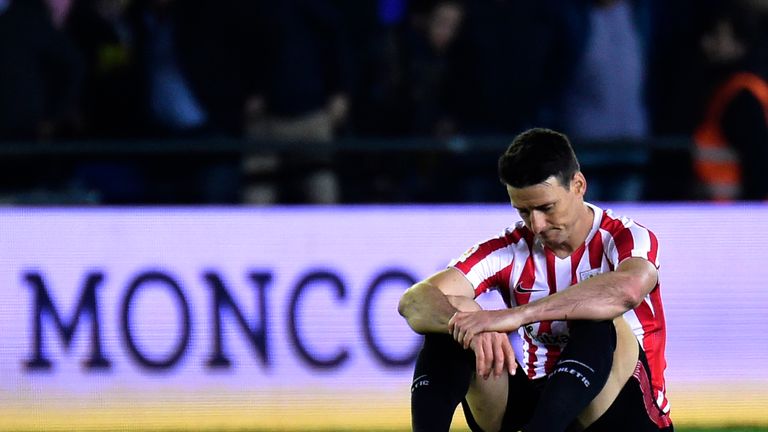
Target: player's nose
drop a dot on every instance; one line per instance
(538, 222)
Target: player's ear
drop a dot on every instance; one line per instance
(579, 184)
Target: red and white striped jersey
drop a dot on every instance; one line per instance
(523, 270)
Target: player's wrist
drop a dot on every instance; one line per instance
(518, 317)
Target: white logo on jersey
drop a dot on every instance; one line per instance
(589, 273)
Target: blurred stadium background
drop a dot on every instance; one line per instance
(210, 207)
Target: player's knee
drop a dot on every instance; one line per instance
(600, 334)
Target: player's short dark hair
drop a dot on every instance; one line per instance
(534, 156)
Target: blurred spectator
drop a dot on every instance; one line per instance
(492, 83)
(418, 103)
(41, 74)
(377, 102)
(305, 99)
(111, 94)
(193, 55)
(671, 94)
(426, 46)
(197, 60)
(732, 136)
(40, 79)
(603, 98)
(496, 74)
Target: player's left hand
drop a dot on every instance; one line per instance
(493, 354)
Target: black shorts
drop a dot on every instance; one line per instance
(634, 409)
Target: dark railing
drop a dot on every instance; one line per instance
(222, 145)
(370, 170)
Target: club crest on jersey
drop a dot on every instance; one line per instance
(469, 252)
(589, 273)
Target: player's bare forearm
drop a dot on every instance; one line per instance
(602, 297)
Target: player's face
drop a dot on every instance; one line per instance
(550, 210)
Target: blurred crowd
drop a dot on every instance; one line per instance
(610, 71)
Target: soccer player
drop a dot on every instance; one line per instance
(582, 290)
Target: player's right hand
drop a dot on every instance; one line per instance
(493, 354)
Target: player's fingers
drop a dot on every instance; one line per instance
(479, 359)
(457, 333)
(488, 363)
(467, 338)
(499, 358)
(452, 323)
(509, 358)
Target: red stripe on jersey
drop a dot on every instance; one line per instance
(653, 337)
(527, 278)
(575, 260)
(622, 236)
(532, 348)
(553, 351)
(486, 284)
(596, 251)
(505, 276)
(660, 419)
(551, 275)
(483, 250)
(527, 234)
(488, 247)
(656, 342)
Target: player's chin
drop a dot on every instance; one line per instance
(550, 234)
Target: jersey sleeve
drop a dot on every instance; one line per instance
(632, 240)
(484, 264)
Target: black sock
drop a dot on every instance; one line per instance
(440, 382)
(580, 374)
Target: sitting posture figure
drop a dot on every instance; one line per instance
(582, 290)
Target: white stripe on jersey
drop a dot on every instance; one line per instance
(634, 323)
(563, 273)
(498, 259)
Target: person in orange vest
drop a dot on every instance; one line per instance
(731, 141)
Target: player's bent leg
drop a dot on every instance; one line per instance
(634, 409)
(521, 399)
(440, 382)
(487, 401)
(629, 413)
(612, 351)
(578, 377)
(625, 357)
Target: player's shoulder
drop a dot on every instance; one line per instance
(515, 233)
(615, 223)
(501, 243)
(510, 235)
